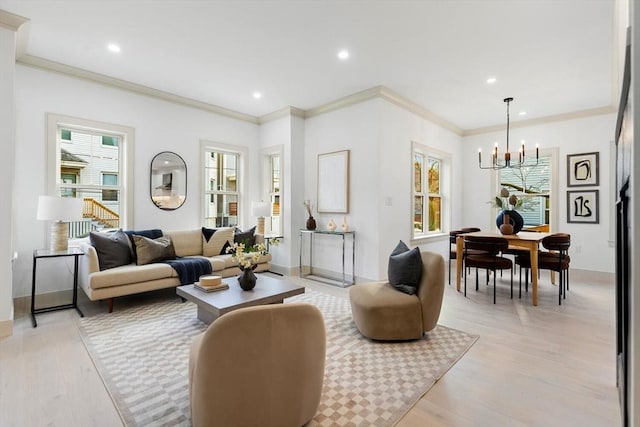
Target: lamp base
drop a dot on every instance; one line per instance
(59, 238)
(260, 227)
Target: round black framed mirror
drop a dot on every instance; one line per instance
(168, 180)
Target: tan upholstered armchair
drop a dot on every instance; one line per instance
(258, 366)
(381, 312)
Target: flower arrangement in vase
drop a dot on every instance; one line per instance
(247, 259)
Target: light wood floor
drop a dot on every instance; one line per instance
(532, 366)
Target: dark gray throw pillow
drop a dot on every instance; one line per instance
(247, 237)
(113, 249)
(152, 233)
(405, 268)
(153, 250)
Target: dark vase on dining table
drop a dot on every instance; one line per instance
(511, 217)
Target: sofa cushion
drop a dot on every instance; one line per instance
(405, 268)
(130, 274)
(186, 242)
(152, 250)
(113, 249)
(213, 240)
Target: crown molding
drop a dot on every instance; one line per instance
(10, 21)
(45, 64)
(389, 95)
(544, 120)
(346, 101)
(285, 112)
(381, 92)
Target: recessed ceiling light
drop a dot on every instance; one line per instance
(113, 47)
(343, 54)
(257, 95)
(522, 113)
(491, 80)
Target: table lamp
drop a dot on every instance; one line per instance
(59, 210)
(260, 209)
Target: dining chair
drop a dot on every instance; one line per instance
(453, 235)
(556, 258)
(488, 258)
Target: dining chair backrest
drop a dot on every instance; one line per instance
(470, 229)
(557, 242)
(492, 245)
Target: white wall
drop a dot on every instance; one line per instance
(379, 135)
(401, 127)
(594, 241)
(159, 126)
(7, 155)
(355, 128)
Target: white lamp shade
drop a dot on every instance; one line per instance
(52, 208)
(260, 209)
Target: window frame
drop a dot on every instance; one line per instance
(241, 178)
(126, 158)
(554, 211)
(445, 160)
(267, 154)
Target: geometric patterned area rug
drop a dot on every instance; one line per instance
(142, 355)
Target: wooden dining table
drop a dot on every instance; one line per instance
(524, 239)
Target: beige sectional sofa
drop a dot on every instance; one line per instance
(132, 278)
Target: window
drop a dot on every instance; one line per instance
(430, 185)
(109, 141)
(110, 180)
(274, 194)
(82, 165)
(222, 187)
(531, 184)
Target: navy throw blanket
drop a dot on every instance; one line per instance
(190, 269)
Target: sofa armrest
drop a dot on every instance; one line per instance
(88, 264)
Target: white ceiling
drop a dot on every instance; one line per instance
(552, 56)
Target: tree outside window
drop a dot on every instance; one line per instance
(428, 190)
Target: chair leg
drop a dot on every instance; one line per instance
(494, 286)
(520, 284)
(560, 290)
(464, 273)
(449, 270)
(476, 279)
(511, 270)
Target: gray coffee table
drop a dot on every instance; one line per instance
(212, 305)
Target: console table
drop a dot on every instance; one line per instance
(343, 235)
(46, 253)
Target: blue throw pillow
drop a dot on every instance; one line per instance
(405, 268)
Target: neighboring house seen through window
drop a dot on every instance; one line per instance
(87, 161)
(222, 187)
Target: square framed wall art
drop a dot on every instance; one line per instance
(583, 170)
(582, 207)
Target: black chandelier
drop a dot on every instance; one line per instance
(506, 163)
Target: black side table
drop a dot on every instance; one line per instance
(46, 253)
